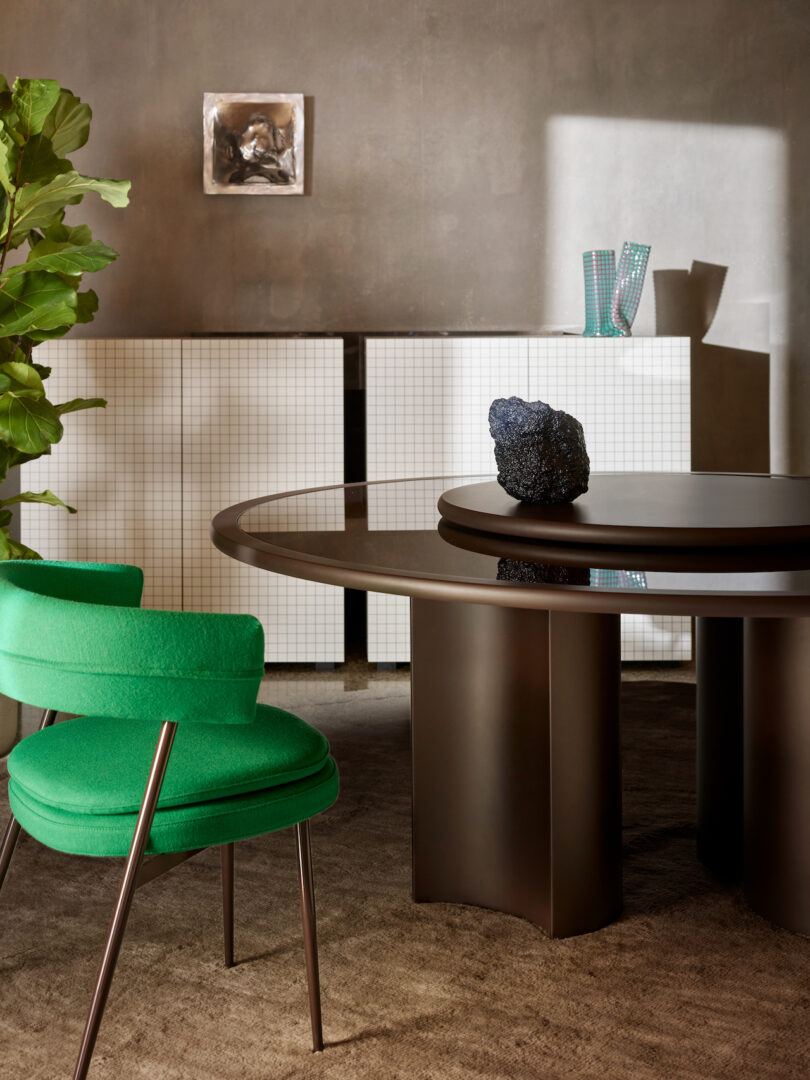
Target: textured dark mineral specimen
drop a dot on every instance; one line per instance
(529, 573)
(540, 451)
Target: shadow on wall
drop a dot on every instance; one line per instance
(730, 387)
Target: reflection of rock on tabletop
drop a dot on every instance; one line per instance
(531, 573)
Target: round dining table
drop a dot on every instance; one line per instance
(516, 670)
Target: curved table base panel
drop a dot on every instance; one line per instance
(719, 648)
(777, 767)
(516, 763)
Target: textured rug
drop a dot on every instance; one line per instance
(687, 984)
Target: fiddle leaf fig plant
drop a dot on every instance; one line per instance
(40, 285)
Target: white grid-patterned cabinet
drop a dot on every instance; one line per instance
(192, 426)
(425, 398)
(427, 405)
(261, 415)
(119, 466)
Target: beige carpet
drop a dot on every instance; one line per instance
(687, 984)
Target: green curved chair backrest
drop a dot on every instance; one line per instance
(73, 638)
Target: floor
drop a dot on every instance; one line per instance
(688, 983)
(302, 683)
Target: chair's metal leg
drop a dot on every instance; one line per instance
(12, 833)
(226, 854)
(124, 901)
(302, 837)
(48, 717)
(7, 849)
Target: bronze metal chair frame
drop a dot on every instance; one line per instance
(12, 833)
(138, 872)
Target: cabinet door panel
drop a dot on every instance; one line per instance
(119, 466)
(260, 416)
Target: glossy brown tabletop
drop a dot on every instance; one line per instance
(389, 537)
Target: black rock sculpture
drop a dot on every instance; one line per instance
(529, 573)
(540, 451)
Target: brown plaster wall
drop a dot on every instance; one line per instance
(427, 135)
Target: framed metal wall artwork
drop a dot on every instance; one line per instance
(253, 144)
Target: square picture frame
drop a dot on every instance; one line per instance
(253, 144)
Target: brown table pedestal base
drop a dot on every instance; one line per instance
(777, 767)
(719, 649)
(516, 762)
(753, 738)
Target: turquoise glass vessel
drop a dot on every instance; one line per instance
(600, 278)
(612, 293)
(627, 289)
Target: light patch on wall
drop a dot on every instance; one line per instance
(715, 193)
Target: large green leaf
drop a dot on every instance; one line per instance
(13, 549)
(27, 424)
(49, 333)
(67, 124)
(9, 349)
(86, 306)
(38, 204)
(36, 301)
(39, 162)
(9, 119)
(60, 236)
(20, 350)
(46, 496)
(78, 404)
(70, 260)
(5, 170)
(10, 458)
(41, 205)
(24, 377)
(32, 100)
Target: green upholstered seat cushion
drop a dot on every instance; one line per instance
(98, 765)
(182, 828)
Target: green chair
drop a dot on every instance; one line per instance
(171, 753)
